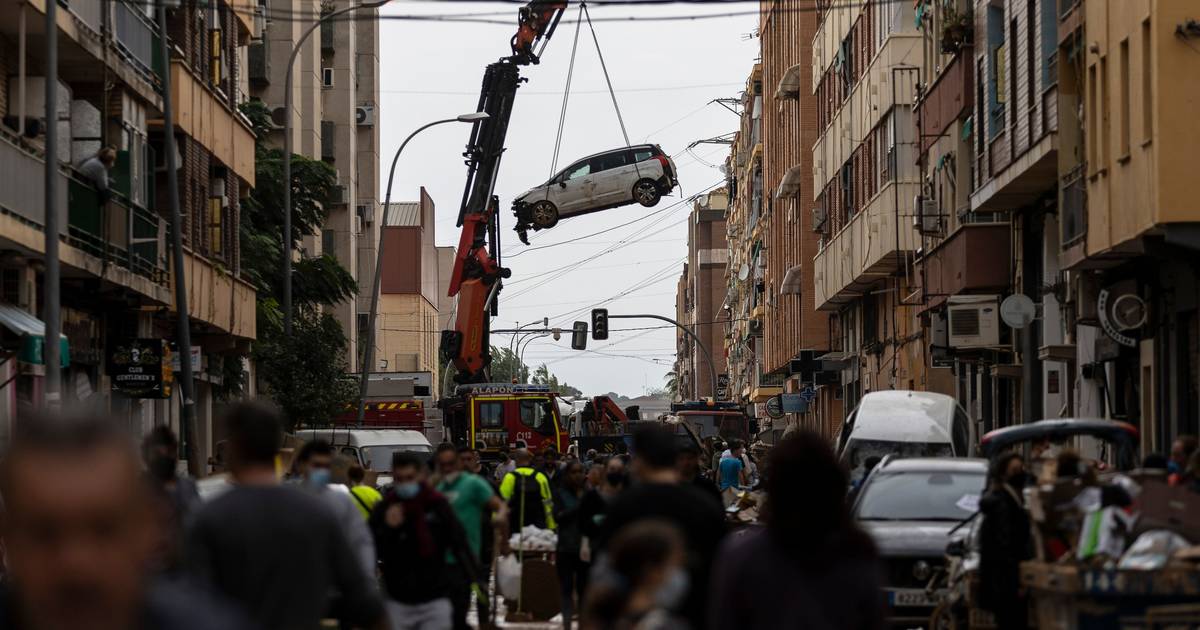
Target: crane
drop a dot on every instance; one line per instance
(528, 416)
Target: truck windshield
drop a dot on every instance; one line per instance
(537, 414)
(379, 458)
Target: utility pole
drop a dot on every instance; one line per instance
(187, 410)
(51, 298)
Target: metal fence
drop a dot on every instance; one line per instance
(135, 34)
(22, 194)
(1074, 205)
(90, 12)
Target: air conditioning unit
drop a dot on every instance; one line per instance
(818, 218)
(339, 196)
(756, 327)
(364, 115)
(358, 225)
(927, 218)
(974, 321)
(366, 212)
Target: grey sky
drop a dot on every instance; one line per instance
(664, 74)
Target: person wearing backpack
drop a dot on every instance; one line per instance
(527, 492)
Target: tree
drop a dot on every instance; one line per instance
(306, 373)
(672, 383)
(507, 367)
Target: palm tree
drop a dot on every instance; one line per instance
(672, 383)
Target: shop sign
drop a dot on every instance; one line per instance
(141, 368)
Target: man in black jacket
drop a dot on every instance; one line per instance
(415, 528)
(1004, 542)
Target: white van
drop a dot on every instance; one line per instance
(372, 448)
(904, 423)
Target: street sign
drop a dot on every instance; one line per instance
(775, 407)
(722, 387)
(793, 403)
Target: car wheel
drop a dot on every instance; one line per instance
(646, 192)
(544, 214)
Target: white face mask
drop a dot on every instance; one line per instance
(673, 589)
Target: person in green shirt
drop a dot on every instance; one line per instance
(471, 497)
(365, 497)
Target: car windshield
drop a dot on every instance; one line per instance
(859, 451)
(379, 458)
(921, 496)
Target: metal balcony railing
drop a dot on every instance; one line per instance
(135, 35)
(1074, 205)
(116, 231)
(90, 12)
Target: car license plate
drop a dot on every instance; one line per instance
(911, 597)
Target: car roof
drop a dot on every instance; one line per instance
(1059, 428)
(370, 437)
(884, 414)
(936, 464)
(633, 146)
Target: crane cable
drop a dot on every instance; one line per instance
(603, 66)
(562, 116)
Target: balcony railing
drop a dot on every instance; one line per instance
(22, 173)
(1074, 205)
(116, 231)
(135, 36)
(90, 12)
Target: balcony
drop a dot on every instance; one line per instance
(217, 299)
(947, 99)
(766, 385)
(90, 12)
(1073, 212)
(117, 232)
(136, 37)
(200, 114)
(22, 193)
(871, 246)
(975, 257)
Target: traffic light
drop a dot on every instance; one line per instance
(599, 324)
(579, 336)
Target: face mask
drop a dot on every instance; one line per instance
(615, 478)
(319, 477)
(407, 490)
(1173, 467)
(162, 468)
(450, 477)
(1018, 480)
(673, 589)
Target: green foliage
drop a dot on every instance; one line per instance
(306, 373)
(672, 383)
(507, 366)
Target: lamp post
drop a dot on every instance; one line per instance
(287, 153)
(368, 354)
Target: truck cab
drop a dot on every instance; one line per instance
(709, 419)
(492, 416)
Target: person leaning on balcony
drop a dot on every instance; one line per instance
(96, 168)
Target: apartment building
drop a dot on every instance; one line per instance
(335, 92)
(745, 287)
(866, 60)
(700, 301)
(413, 306)
(116, 290)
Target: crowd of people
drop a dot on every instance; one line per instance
(97, 537)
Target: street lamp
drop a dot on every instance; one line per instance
(287, 154)
(364, 367)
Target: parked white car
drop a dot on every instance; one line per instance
(638, 174)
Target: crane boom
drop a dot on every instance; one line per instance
(477, 276)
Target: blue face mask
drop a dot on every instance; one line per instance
(1173, 467)
(407, 490)
(319, 477)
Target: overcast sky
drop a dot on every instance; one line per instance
(665, 74)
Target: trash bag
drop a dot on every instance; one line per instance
(1152, 550)
(508, 576)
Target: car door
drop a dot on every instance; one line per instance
(573, 190)
(614, 174)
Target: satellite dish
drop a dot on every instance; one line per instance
(743, 272)
(1018, 310)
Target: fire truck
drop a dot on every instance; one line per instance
(480, 413)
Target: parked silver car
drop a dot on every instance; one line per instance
(638, 174)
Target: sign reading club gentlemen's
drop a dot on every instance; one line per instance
(141, 368)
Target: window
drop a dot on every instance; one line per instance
(327, 77)
(328, 242)
(1049, 43)
(1093, 120)
(1106, 119)
(640, 155)
(364, 320)
(216, 239)
(1147, 85)
(1031, 62)
(997, 94)
(611, 161)
(491, 415)
(583, 169)
(1126, 112)
(214, 57)
(538, 415)
(848, 189)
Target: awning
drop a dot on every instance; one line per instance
(32, 331)
(792, 282)
(789, 84)
(790, 184)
